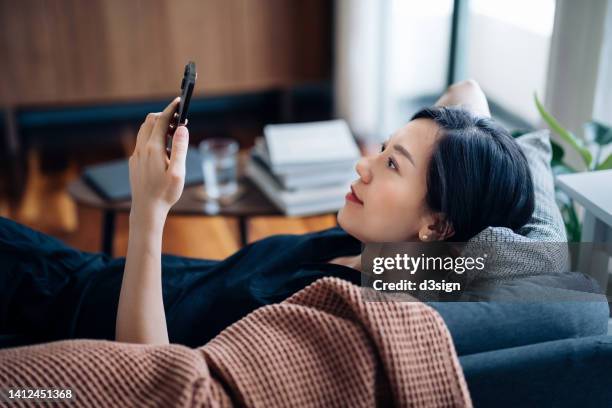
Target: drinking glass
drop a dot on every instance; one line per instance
(220, 167)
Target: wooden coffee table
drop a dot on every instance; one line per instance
(251, 203)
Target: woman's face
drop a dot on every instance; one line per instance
(387, 203)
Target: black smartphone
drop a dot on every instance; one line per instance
(180, 116)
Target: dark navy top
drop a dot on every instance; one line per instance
(52, 291)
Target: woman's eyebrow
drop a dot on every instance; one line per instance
(404, 152)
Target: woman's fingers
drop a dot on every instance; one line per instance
(145, 130)
(160, 130)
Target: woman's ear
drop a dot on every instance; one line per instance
(438, 228)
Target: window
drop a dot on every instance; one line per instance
(398, 58)
(508, 44)
(416, 38)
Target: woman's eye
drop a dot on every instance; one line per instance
(383, 146)
(391, 164)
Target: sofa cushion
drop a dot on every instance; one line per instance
(540, 246)
(563, 373)
(526, 311)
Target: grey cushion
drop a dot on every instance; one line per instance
(546, 223)
(540, 246)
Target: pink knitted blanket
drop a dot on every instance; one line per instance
(324, 346)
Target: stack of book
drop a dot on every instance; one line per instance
(305, 168)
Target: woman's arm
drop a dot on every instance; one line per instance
(157, 183)
(466, 94)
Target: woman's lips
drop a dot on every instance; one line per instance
(351, 196)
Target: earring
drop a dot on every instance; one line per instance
(424, 238)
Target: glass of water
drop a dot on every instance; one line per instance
(220, 167)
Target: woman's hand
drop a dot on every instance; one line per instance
(157, 182)
(468, 95)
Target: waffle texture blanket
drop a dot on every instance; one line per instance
(324, 346)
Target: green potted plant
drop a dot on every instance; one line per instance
(597, 136)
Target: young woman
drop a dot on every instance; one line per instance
(446, 175)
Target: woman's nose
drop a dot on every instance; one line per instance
(364, 170)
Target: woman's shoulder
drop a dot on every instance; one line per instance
(335, 234)
(330, 242)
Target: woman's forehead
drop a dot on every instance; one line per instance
(417, 134)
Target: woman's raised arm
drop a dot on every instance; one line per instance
(157, 183)
(467, 94)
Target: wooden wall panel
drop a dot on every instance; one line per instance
(288, 39)
(75, 51)
(269, 38)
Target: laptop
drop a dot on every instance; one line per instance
(112, 180)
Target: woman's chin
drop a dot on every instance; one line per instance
(348, 221)
(341, 217)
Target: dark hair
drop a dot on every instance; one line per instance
(478, 176)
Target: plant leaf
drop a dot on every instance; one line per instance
(557, 153)
(570, 217)
(598, 132)
(572, 224)
(606, 164)
(565, 134)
